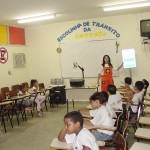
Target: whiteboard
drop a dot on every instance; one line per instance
(88, 55)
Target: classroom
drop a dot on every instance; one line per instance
(63, 57)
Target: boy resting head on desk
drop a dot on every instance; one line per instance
(73, 132)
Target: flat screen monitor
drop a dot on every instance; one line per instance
(145, 28)
(128, 56)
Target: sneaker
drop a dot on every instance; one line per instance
(28, 109)
(40, 115)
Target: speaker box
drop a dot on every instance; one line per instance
(59, 94)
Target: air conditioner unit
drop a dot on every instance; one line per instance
(19, 60)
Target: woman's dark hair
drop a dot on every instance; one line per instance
(128, 80)
(101, 96)
(75, 117)
(109, 62)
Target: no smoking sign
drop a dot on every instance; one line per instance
(3, 55)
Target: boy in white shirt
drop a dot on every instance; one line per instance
(138, 96)
(101, 116)
(73, 132)
(114, 98)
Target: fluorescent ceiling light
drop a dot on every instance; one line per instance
(127, 6)
(36, 18)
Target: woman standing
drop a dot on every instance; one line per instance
(105, 73)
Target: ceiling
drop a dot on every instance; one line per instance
(65, 10)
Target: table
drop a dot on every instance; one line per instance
(79, 93)
(140, 146)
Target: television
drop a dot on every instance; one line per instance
(145, 28)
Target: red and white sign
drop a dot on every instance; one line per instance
(3, 55)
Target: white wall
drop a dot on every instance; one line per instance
(45, 61)
(18, 75)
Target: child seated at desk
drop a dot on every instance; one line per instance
(129, 91)
(23, 90)
(114, 99)
(101, 116)
(73, 132)
(137, 98)
(39, 99)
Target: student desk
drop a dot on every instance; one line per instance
(147, 98)
(101, 127)
(5, 103)
(58, 145)
(13, 108)
(140, 146)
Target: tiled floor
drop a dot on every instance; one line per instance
(37, 133)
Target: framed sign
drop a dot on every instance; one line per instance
(128, 57)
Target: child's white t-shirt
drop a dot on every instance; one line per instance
(85, 137)
(115, 101)
(102, 117)
(20, 92)
(112, 113)
(135, 101)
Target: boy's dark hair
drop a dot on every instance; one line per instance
(32, 82)
(139, 85)
(20, 87)
(101, 96)
(75, 117)
(128, 80)
(112, 89)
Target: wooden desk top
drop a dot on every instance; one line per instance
(101, 127)
(140, 146)
(5, 103)
(56, 144)
(147, 110)
(144, 120)
(143, 133)
(89, 106)
(17, 97)
(60, 145)
(147, 98)
(146, 102)
(87, 116)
